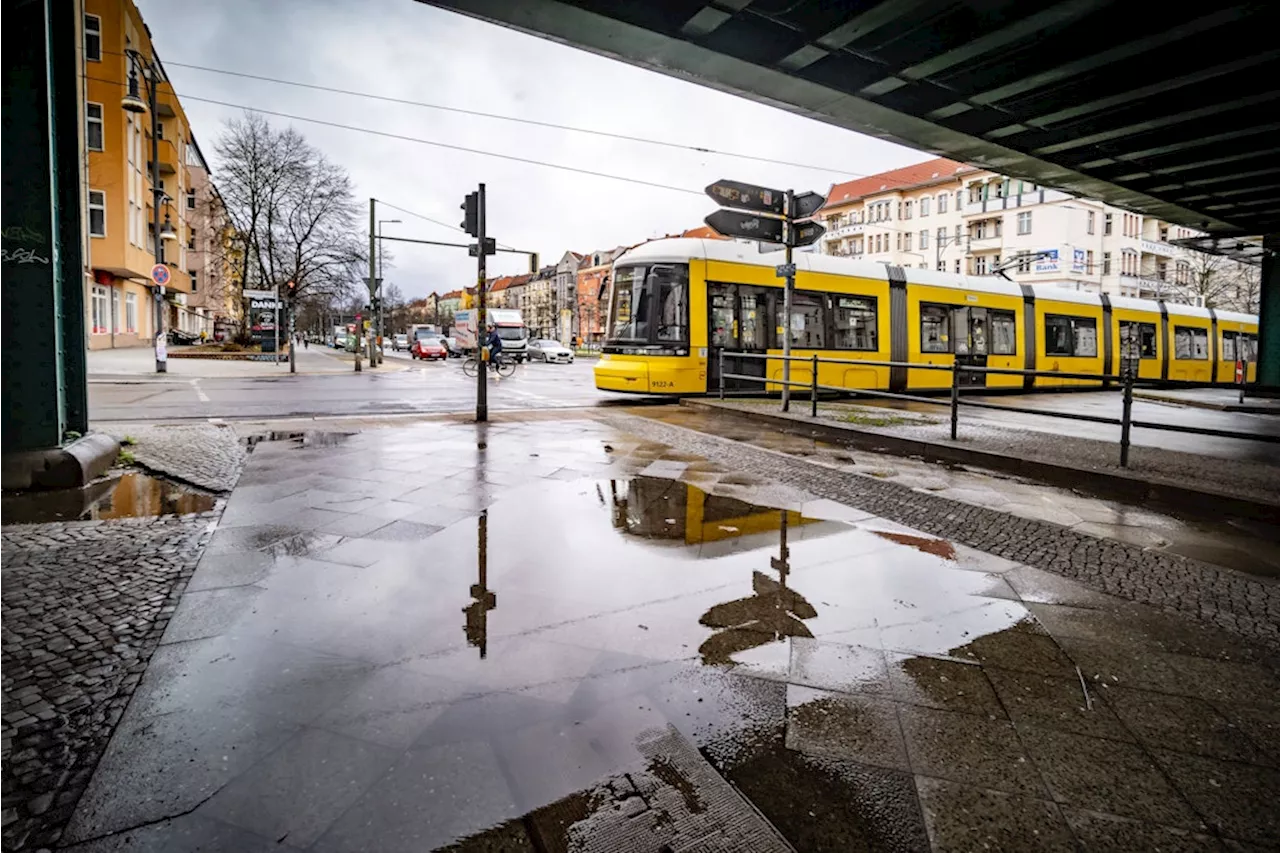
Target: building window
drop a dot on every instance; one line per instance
(1107, 224)
(1071, 336)
(1088, 262)
(93, 38)
(942, 266)
(935, 328)
(93, 126)
(1190, 343)
(1106, 261)
(957, 266)
(191, 241)
(1088, 222)
(1024, 263)
(980, 265)
(924, 235)
(924, 206)
(1004, 333)
(855, 322)
(942, 237)
(97, 213)
(101, 310)
(906, 210)
(942, 202)
(191, 199)
(131, 312)
(194, 280)
(1024, 222)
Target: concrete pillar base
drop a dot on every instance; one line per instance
(68, 467)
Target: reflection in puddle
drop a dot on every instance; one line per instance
(937, 547)
(131, 495)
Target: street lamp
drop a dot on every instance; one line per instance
(132, 103)
(378, 283)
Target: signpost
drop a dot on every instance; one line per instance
(160, 275)
(781, 224)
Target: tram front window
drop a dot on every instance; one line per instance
(650, 305)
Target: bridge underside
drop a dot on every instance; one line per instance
(1172, 112)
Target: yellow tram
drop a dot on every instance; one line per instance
(678, 304)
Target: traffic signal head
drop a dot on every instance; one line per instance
(471, 217)
(533, 263)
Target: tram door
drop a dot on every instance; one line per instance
(737, 323)
(972, 335)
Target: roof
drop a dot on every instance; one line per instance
(705, 232)
(919, 174)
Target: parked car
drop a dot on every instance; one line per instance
(399, 342)
(451, 344)
(550, 352)
(429, 348)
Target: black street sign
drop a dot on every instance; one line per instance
(747, 197)
(807, 204)
(805, 233)
(733, 223)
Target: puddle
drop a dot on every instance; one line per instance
(937, 547)
(131, 495)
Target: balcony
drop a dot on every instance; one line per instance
(1158, 247)
(168, 157)
(844, 253)
(846, 230)
(989, 243)
(1147, 286)
(1027, 199)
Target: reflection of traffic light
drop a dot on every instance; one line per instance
(477, 612)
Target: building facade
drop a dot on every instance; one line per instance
(215, 305)
(952, 217)
(123, 307)
(538, 301)
(567, 296)
(593, 284)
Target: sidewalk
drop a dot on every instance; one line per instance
(1220, 399)
(139, 363)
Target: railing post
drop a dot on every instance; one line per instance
(1125, 419)
(813, 390)
(720, 356)
(955, 400)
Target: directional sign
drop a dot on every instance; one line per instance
(732, 223)
(160, 274)
(806, 205)
(746, 196)
(258, 294)
(806, 233)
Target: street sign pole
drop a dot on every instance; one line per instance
(482, 375)
(276, 354)
(787, 204)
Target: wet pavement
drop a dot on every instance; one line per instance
(121, 494)
(1241, 544)
(551, 635)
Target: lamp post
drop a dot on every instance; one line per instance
(133, 103)
(378, 285)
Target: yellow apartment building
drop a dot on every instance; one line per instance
(121, 304)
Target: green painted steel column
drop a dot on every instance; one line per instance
(42, 357)
(1269, 315)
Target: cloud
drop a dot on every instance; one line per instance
(416, 52)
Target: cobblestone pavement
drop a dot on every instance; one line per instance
(547, 632)
(1245, 605)
(84, 606)
(205, 455)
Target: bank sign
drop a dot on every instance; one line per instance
(1048, 261)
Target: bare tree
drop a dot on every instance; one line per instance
(293, 213)
(1215, 281)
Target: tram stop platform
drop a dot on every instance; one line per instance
(1222, 399)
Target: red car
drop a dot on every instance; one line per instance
(429, 348)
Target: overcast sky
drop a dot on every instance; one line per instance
(404, 49)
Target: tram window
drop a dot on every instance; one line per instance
(672, 284)
(807, 325)
(630, 305)
(1004, 333)
(935, 329)
(1074, 336)
(855, 322)
(1190, 343)
(1137, 340)
(1249, 347)
(1229, 345)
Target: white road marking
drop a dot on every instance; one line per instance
(204, 398)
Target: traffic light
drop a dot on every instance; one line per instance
(533, 263)
(291, 289)
(471, 218)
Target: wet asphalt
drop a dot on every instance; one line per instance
(552, 635)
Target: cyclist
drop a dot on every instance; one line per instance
(495, 347)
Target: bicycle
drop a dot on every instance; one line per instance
(503, 366)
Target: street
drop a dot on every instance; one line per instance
(401, 386)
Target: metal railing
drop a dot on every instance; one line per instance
(1127, 381)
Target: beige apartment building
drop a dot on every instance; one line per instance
(949, 216)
